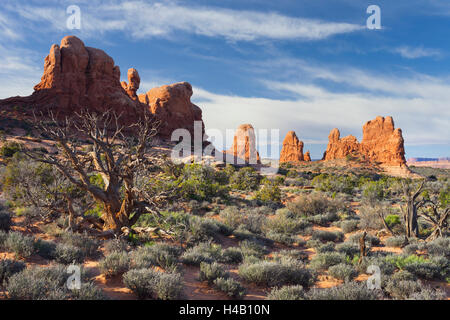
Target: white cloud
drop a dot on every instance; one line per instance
(419, 107)
(415, 53)
(163, 19)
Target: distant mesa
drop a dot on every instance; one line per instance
(77, 77)
(243, 151)
(381, 143)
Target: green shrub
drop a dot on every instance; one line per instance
(284, 224)
(67, 254)
(392, 220)
(269, 192)
(276, 273)
(245, 179)
(211, 271)
(21, 245)
(346, 291)
(402, 289)
(324, 235)
(114, 264)
(343, 271)
(232, 217)
(9, 267)
(230, 286)
(169, 286)
(322, 261)
(8, 149)
(287, 293)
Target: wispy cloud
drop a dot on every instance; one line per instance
(163, 19)
(415, 53)
(417, 102)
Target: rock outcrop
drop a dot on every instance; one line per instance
(133, 83)
(77, 77)
(292, 150)
(243, 150)
(381, 143)
(307, 156)
(173, 107)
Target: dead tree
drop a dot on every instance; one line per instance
(90, 144)
(362, 248)
(436, 210)
(410, 211)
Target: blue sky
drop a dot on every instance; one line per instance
(305, 65)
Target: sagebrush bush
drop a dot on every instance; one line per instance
(88, 291)
(322, 261)
(231, 255)
(146, 283)
(327, 247)
(160, 254)
(395, 241)
(346, 291)
(88, 246)
(287, 293)
(246, 178)
(370, 239)
(285, 224)
(286, 239)
(231, 217)
(276, 273)
(402, 289)
(9, 267)
(324, 235)
(230, 286)
(313, 204)
(67, 254)
(115, 245)
(348, 226)
(428, 294)
(211, 271)
(203, 252)
(114, 264)
(3, 237)
(323, 219)
(21, 245)
(46, 249)
(38, 283)
(251, 248)
(141, 281)
(343, 271)
(348, 248)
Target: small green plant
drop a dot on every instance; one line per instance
(287, 293)
(343, 271)
(211, 271)
(230, 286)
(22, 245)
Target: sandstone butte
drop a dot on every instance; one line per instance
(77, 77)
(307, 156)
(243, 150)
(292, 150)
(381, 143)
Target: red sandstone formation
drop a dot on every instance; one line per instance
(381, 143)
(307, 156)
(172, 105)
(292, 150)
(243, 150)
(133, 83)
(77, 77)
